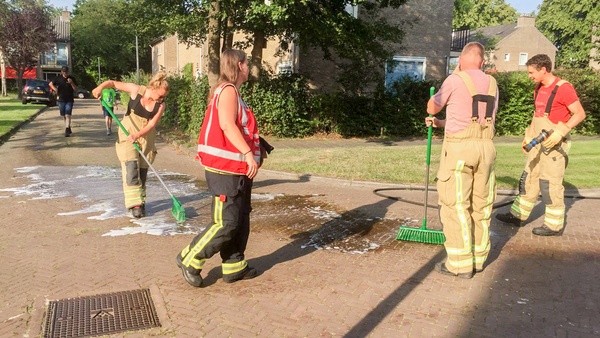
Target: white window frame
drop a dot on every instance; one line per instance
(523, 57)
(409, 60)
(285, 67)
(506, 56)
(352, 10)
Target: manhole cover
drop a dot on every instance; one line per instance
(101, 314)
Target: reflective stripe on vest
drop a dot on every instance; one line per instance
(489, 99)
(214, 149)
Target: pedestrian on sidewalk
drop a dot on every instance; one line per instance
(466, 181)
(65, 87)
(108, 96)
(229, 150)
(557, 109)
(146, 107)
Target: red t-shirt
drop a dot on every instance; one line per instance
(565, 96)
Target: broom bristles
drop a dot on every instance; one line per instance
(421, 235)
(178, 211)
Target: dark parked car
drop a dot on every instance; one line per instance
(38, 91)
(82, 93)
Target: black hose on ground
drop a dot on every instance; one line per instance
(496, 205)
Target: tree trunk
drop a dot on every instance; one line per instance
(20, 72)
(257, 50)
(214, 44)
(228, 35)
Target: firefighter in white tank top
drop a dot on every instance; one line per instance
(466, 179)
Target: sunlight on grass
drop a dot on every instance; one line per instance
(406, 164)
(13, 112)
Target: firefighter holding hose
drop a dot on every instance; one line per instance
(557, 111)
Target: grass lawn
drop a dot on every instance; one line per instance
(393, 164)
(13, 112)
(406, 164)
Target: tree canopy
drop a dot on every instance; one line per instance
(570, 25)
(25, 32)
(471, 14)
(323, 24)
(104, 31)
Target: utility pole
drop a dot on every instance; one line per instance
(137, 59)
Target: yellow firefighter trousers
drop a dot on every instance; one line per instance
(466, 184)
(133, 167)
(544, 172)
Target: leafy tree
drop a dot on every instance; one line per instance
(357, 41)
(471, 14)
(26, 32)
(104, 31)
(570, 24)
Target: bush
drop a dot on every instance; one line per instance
(515, 106)
(281, 105)
(285, 107)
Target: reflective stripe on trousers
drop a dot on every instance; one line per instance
(134, 168)
(467, 186)
(543, 174)
(230, 227)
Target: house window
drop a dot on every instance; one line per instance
(57, 56)
(507, 57)
(522, 59)
(405, 66)
(62, 54)
(285, 68)
(452, 64)
(352, 10)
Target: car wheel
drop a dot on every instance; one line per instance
(80, 95)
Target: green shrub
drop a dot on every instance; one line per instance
(281, 105)
(515, 106)
(587, 85)
(285, 106)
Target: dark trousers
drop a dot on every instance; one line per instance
(229, 229)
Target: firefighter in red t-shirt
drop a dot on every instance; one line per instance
(557, 109)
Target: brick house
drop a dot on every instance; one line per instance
(60, 55)
(514, 44)
(424, 53)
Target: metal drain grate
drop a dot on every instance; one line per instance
(101, 314)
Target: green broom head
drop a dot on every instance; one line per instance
(421, 235)
(178, 211)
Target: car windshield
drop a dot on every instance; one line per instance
(37, 83)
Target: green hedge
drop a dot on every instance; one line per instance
(286, 107)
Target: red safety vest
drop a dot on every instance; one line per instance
(215, 151)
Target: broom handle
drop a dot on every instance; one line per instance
(427, 162)
(137, 147)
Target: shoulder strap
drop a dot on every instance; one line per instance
(489, 98)
(553, 94)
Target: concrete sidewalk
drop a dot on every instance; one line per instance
(329, 263)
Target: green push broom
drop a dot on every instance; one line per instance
(177, 210)
(423, 234)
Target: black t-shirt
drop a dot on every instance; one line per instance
(65, 91)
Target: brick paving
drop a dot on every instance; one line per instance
(531, 287)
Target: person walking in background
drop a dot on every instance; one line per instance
(108, 95)
(557, 109)
(466, 181)
(229, 149)
(146, 107)
(65, 87)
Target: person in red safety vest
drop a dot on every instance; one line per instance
(557, 110)
(229, 149)
(466, 180)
